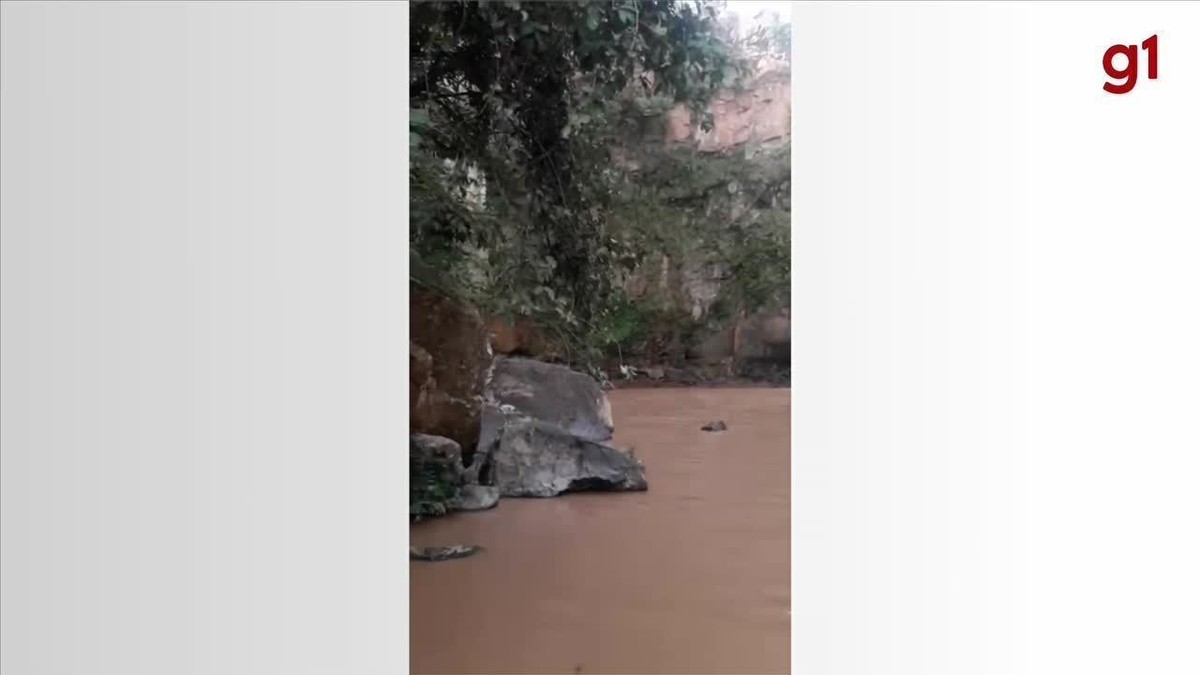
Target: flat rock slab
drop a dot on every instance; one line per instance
(534, 459)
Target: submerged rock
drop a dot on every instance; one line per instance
(532, 458)
(439, 553)
(714, 426)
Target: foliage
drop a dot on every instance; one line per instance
(517, 109)
(429, 491)
(771, 37)
(729, 212)
(526, 94)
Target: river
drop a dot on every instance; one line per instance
(691, 576)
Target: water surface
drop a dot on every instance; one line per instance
(691, 576)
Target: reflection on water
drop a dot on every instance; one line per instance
(689, 577)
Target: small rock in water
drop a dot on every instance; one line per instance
(714, 426)
(439, 553)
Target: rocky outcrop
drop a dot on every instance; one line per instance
(776, 329)
(767, 335)
(450, 361)
(439, 481)
(440, 458)
(532, 458)
(555, 394)
(754, 120)
(420, 373)
(435, 474)
(517, 337)
(715, 348)
(760, 113)
(546, 430)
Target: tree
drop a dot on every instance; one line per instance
(531, 95)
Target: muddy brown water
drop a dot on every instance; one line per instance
(691, 576)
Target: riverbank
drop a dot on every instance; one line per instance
(746, 373)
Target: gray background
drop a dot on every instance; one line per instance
(203, 335)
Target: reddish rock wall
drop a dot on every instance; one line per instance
(759, 114)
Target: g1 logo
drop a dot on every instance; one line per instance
(1125, 79)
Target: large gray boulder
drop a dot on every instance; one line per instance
(546, 430)
(531, 458)
(554, 394)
